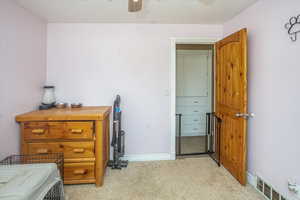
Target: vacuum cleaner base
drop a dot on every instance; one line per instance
(118, 165)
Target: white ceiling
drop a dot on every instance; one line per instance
(154, 11)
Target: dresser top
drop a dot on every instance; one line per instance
(76, 114)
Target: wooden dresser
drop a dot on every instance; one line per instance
(82, 134)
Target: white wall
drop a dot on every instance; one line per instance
(22, 69)
(274, 91)
(91, 63)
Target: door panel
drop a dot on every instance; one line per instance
(231, 98)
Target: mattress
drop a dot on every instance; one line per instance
(27, 181)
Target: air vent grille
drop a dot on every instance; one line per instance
(260, 185)
(275, 195)
(267, 190)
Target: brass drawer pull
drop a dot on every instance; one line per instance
(80, 172)
(43, 151)
(78, 150)
(38, 131)
(76, 131)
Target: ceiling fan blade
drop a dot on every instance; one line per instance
(135, 5)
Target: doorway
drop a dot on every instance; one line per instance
(228, 112)
(194, 97)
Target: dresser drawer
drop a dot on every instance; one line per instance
(70, 149)
(192, 128)
(192, 110)
(191, 101)
(191, 119)
(79, 130)
(43, 130)
(58, 130)
(79, 171)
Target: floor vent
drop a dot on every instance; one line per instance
(267, 190)
(260, 185)
(275, 195)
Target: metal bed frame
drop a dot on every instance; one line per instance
(56, 192)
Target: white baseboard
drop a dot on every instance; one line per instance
(148, 157)
(251, 179)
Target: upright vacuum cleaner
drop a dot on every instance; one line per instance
(118, 138)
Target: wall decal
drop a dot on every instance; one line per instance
(293, 27)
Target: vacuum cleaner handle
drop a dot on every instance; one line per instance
(115, 133)
(116, 108)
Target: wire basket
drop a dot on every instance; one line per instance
(56, 192)
(57, 158)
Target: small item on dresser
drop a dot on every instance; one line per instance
(46, 107)
(76, 105)
(49, 95)
(61, 105)
(49, 98)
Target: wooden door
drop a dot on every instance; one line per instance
(231, 102)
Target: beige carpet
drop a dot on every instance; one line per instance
(183, 179)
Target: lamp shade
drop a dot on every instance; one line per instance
(135, 5)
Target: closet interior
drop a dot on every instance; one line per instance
(194, 98)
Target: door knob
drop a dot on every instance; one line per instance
(245, 115)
